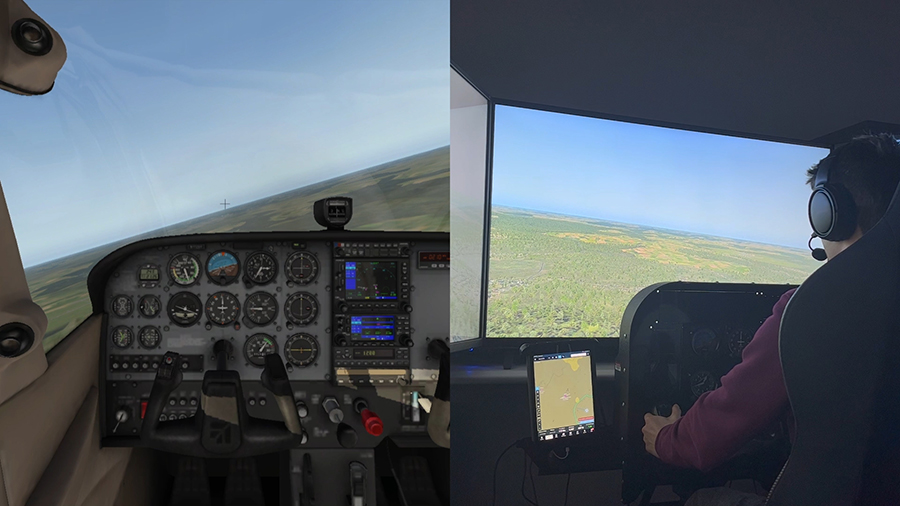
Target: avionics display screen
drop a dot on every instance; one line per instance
(373, 353)
(149, 274)
(372, 328)
(370, 280)
(563, 394)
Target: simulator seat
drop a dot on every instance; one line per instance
(840, 351)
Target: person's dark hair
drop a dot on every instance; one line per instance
(869, 167)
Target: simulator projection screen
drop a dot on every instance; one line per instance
(587, 212)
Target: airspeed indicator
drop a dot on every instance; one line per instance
(184, 269)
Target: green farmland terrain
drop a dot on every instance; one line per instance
(553, 275)
(410, 194)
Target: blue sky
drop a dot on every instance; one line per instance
(659, 177)
(165, 108)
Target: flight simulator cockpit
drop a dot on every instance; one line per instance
(320, 344)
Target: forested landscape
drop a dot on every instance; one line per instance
(553, 275)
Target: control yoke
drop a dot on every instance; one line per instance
(221, 427)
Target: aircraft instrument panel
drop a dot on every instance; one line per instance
(350, 314)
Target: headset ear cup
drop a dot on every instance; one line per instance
(845, 213)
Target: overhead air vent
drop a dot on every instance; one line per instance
(15, 339)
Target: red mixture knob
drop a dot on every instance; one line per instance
(372, 422)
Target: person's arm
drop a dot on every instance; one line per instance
(751, 397)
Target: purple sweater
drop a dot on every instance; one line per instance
(752, 397)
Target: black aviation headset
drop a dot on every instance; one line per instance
(832, 210)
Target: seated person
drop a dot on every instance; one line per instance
(753, 395)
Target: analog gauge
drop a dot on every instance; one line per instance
(185, 309)
(703, 381)
(222, 267)
(149, 305)
(149, 337)
(261, 308)
(301, 308)
(737, 341)
(184, 269)
(261, 268)
(704, 342)
(257, 347)
(122, 306)
(302, 268)
(301, 349)
(122, 337)
(222, 308)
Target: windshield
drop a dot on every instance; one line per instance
(193, 117)
(587, 212)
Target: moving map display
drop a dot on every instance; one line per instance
(563, 394)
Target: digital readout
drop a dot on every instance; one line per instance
(372, 328)
(434, 256)
(373, 353)
(149, 274)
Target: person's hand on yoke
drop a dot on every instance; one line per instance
(652, 426)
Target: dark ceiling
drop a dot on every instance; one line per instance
(796, 71)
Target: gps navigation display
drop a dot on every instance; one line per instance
(371, 280)
(563, 394)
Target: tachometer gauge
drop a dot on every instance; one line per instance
(261, 268)
(704, 342)
(701, 382)
(184, 269)
(257, 347)
(149, 337)
(261, 308)
(302, 268)
(301, 308)
(301, 349)
(149, 305)
(122, 306)
(222, 267)
(737, 341)
(222, 308)
(185, 309)
(122, 337)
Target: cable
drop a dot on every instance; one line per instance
(568, 477)
(394, 472)
(553, 452)
(525, 469)
(533, 489)
(497, 465)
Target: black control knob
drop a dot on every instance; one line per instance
(338, 252)
(406, 341)
(347, 436)
(333, 408)
(407, 308)
(344, 308)
(340, 340)
(404, 251)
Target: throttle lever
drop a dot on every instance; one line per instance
(274, 377)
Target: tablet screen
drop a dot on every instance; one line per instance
(563, 394)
